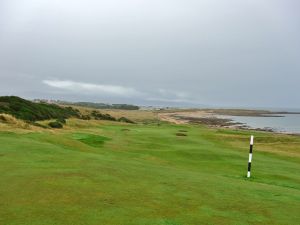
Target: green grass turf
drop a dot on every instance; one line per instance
(114, 174)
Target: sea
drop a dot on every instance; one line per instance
(286, 123)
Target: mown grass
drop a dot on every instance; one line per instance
(95, 172)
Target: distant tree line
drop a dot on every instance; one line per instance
(101, 105)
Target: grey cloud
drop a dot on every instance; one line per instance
(226, 53)
(92, 89)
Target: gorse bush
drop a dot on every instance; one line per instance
(101, 116)
(55, 124)
(125, 120)
(85, 117)
(31, 111)
(61, 120)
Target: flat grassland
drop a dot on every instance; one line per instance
(108, 173)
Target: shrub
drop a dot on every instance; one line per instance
(125, 120)
(85, 117)
(55, 124)
(61, 120)
(31, 111)
(38, 125)
(101, 116)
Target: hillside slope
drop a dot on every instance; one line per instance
(31, 111)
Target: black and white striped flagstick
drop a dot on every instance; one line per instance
(250, 156)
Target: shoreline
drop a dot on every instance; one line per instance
(214, 120)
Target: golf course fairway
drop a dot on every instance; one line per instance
(109, 173)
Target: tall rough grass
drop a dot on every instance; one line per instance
(11, 120)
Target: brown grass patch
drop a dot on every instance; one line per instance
(11, 120)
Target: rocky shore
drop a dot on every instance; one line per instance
(217, 118)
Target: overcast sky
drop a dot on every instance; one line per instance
(152, 52)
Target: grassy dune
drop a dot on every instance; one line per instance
(94, 172)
